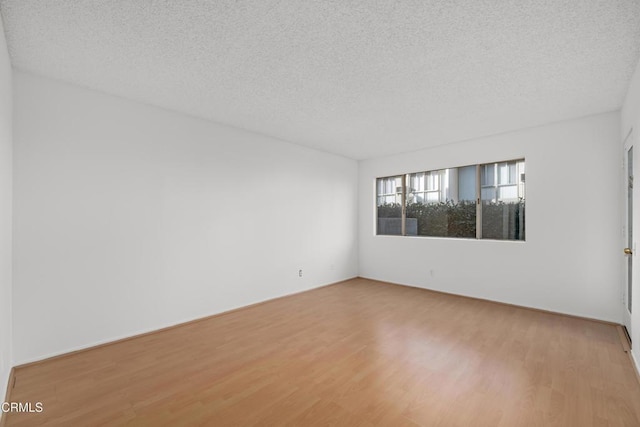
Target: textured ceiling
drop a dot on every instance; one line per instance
(361, 78)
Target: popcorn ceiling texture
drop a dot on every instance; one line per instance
(360, 78)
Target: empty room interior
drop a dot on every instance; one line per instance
(409, 213)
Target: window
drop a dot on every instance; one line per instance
(479, 201)
(503, 202)
(442, 206)
(390, 190)
(389, 195)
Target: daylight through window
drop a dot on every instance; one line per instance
(484, 201)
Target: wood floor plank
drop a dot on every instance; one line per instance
(357, 353)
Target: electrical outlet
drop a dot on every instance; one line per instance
(300, 273)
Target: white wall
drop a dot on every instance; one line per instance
(129, 218)
(5, 212)
(630, 118)
(570, 261)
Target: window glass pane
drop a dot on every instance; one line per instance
(508, 192)
(433, 196)
(447, 208)
(488, 193)
(433, 181)
(467, 183)
(389, 205)
(442, 203)
(416, 182)
(503, 204)
(487, 174)
(507, 173)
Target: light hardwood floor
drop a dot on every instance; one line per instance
(358, 353)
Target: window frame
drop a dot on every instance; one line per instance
(405, 179)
